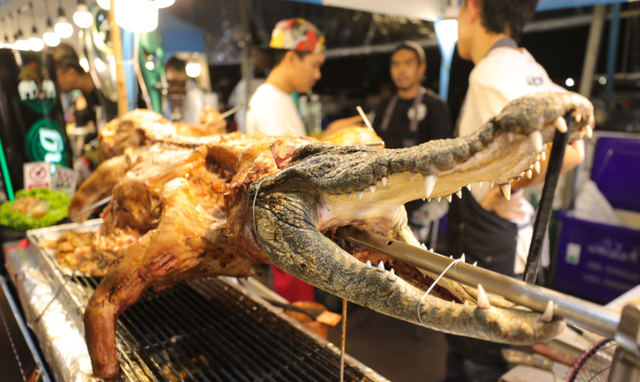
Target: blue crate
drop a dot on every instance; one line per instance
(597, 262)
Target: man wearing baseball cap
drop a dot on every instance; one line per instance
(297, 49)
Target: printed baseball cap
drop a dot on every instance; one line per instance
(297, 34)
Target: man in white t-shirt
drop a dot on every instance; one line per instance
(297, 49)
(484, 225)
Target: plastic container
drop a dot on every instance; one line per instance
(597, 262)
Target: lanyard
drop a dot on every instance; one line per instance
(388, 113)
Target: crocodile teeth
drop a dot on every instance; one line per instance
(481, 184)
(536, 140)
(429, 200)
(529, 173)
(392, 275)
(543, 155)
(360, 194)
(429, 184)
(462, 258)
(469, 186)
(380, 266)
(431, 250)
(384, 181)
(560, 124)
(492, 184)
(368, 266)
(588, 131)
(466, 304)
(449, 198)
(483, 300)
(412, 176)
(578, 117)
(506, 190)
(459, 193)
(478, 156)
(403, 289)
(451, 257)
(510, 135)
(439, 199)
(547, 316)
(372, 189)
(475, 264)
(537, 167)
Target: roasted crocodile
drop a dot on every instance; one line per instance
(221, 205)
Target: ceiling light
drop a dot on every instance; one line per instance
(138, 16)
(35, 43)
(82, 17)
(164, 3)
(193, 69)
(105, 4)
(569, 82)
(62, 27)
(50, 37)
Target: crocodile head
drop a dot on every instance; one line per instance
(326, 187)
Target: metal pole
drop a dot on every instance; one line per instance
(586, 314)
(611, 55)
(593, 47)
(247, 70)
(121, 84)
(541, 225)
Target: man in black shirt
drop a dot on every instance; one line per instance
(413, 115)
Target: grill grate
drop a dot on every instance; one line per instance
(205, 330)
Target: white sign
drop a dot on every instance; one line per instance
(52, 176)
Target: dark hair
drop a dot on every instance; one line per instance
(414, 47)
(177, 64)
(275, 56)
(507, 16)
(65, 58)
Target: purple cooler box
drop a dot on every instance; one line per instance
(596, 261)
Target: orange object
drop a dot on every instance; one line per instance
(315, 326)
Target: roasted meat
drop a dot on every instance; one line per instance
(193, 207)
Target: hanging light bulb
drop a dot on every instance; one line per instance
(62, 27)
(21, 43)
(5, 42)
(35, 42)
(164, 3)
(50, 37)
(138, 16)
(104, 4)
(82, 17)
(193, 68)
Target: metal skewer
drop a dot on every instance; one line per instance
(583, 313)
(91, 207)
(364, 117)
(232, 111)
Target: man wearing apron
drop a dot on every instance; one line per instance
(413, 115)
(483, 224)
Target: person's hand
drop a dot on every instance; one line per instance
(507, 209)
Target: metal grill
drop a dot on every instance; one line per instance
(205, 330)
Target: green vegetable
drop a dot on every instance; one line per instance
(58, 209)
